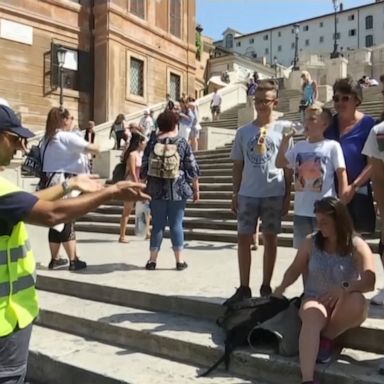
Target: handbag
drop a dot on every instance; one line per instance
(33, 163)
(363, 212)
(118, 173)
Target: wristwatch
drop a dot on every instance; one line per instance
(66, 187)
(345, 284)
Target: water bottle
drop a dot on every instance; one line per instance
(141, 210)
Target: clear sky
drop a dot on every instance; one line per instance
(253, 15)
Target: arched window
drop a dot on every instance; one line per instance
(229, 41)
(369, 22)
(369, 41)
(175, 18)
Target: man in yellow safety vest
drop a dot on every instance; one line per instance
(18, 299)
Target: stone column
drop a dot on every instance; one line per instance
(336, 69)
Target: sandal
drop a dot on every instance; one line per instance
(124, 241)
(150, 266)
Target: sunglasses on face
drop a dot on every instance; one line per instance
(264, 101)
(13, 136)
(344, 98)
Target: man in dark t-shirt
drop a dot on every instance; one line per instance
(45, 208)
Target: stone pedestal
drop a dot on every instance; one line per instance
(213, 137)
(325, 93)
(336, 69)
(294, 80)
(105, 162)
(246, 114)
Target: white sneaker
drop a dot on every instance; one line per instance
(378, 299)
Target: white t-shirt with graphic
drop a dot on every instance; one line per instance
(257, 147)
(374, 146)
(314, 166)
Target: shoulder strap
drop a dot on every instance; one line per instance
(43, 155)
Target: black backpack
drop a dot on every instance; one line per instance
(118, 173)
(259, 321)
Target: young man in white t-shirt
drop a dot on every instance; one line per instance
(315, 162)
(260, 190)
(374, 150)
(215, 105)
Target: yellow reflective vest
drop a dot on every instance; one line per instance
(18, 299)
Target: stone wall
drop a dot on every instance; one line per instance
(25, 67)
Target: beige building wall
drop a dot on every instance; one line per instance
(147, 39)
(25, 68)
(109, 35)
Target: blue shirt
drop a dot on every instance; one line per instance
(352, 144)
(167, 189)
(14, 207)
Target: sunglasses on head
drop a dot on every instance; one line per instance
(344, 98)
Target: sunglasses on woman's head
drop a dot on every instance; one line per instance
(344, 98)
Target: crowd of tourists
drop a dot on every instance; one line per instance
(334, 169)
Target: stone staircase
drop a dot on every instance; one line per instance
(372, 105)
(228, 119)
(93, 329)
(211, 219)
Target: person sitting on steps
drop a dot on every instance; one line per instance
(337, 267)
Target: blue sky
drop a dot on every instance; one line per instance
(252, 15)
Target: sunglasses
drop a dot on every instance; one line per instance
(344, 98)
(12, 135)
(264, 101)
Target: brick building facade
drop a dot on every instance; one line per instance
(122, 55)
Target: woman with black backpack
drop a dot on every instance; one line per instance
(171, 172)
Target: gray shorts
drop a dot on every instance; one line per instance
(302, 227)
(14, 355)
(251, 209)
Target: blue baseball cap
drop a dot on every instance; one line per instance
(9, 122)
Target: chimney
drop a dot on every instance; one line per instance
(341, 7)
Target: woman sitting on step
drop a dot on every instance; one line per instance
(337, 266)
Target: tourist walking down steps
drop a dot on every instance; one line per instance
(18, 299)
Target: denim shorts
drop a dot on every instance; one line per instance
(302, 227)
(251, 209)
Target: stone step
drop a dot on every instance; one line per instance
(216, 187)
(284, 239)
(211, 165)
(216, 172)
(189, 222)
(83, 360)
(215, 179)
(186, 338)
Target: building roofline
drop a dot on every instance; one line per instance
(299, 22)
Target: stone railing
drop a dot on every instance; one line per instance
(232, 95)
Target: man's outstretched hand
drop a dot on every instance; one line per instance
(130, 191)
(86, 183)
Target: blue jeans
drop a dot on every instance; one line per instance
(171, 212)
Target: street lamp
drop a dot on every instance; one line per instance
(275, 65)
(61, 52)
(335, 53)
(296, 29)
